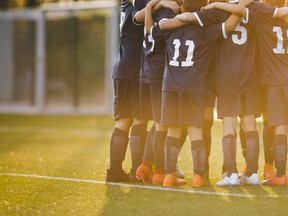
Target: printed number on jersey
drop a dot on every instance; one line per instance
(241, 37)
(280, 40)
(189, 54)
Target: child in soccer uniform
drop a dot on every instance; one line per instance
(187, 49)
(237, 92)
(273, 41)
(151, 76)
(273, 67)
(126, 103)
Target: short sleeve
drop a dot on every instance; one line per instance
(263, 9)
(214, 32)
(134, 12)
(165, 13)
(211, 16)
(140, 4)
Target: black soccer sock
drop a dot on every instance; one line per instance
(171, 151)
(280, 154)
(148, 156)
(138, 135)
(207, 141)
(229, 152)
(118, 147)
(158, 147)
(252, 154)
(198, 155)
(243, 142)
(268, 135)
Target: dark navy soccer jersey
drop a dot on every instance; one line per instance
(153, 58)
(236, 71)
(140, 4)
(187, 64)
(273, 45)
(127, 63)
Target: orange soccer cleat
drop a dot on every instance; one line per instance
(275, 180)
(158, 177)
(242, 171)
(145, 173)
(197, 181)
(172, 180)
(268, 171)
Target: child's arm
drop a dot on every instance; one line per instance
(140, 16)
(281, 12)
(233, 19)
(149, 23)
(230, 8)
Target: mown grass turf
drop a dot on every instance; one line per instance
(78, 147)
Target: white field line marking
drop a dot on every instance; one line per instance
(143, 186)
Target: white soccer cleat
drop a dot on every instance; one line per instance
(226, 180)
(252, 180)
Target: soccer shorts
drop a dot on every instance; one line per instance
(150, 101)
(126, 99)
(277, 105)
(182, 109)
(239, 105)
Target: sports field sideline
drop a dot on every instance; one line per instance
(56, 165)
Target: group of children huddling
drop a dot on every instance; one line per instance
(190, 53)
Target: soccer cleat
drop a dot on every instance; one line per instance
(275, 181)
(145, 173)
(158, 177)
(251, 180)
(226, 180)
(172, 180)
(242, 170)
(133, 178)
(119, 176)
(268, 171)
(197, 181)
(179, 173)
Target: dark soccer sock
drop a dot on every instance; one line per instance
(158, 147)
(229, 152)
(138, 135)
(171, 151)
(118, 147)
(243, 143)
(148, 156)
(198, 156)
(207, 141)
(252, 154)
(280, 154)
(268, 134)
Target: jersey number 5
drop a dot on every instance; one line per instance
(280, 42)
(242, 37)
(188, 62)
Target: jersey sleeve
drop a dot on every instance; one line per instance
(257, 10)
(211, 16)
(215, 32)
(165, 14)
(134, 12)
(140, 4)
(263, 9)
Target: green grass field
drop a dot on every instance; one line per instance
(74, 152)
